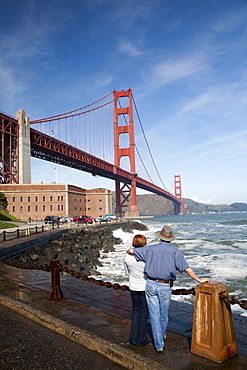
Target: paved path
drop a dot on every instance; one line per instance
(28, 345)
(100, 318)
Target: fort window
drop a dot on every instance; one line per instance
(43, 199)
(20, 199)
(62, 207)
(51, 198)
(13, 208)
(61, 198)
(20, 208)
(58, 207)
(28, 208)
(43, 208)
(51, 207)
(36, 199)
(28, 199)
(36, 208)
(58, 198)
(13, 199)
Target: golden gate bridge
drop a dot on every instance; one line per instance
(98, 138)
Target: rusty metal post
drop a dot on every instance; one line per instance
(213, 335)
(56, 294)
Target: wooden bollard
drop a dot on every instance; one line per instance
(56, 294)
(213, 335)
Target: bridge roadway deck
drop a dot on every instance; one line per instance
(99, 318)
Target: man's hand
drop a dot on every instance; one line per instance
(203, 280)
(130, 251)
(191, 273)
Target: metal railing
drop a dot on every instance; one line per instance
(18, 233)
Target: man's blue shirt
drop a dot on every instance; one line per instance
(161, 260)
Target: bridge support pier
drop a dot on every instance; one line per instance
(24, 147)
(126, 198)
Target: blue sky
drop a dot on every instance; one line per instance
(185, 61)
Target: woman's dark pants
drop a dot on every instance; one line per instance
(140, 316)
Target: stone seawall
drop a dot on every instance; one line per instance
(78, 249)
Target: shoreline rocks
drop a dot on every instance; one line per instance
(78, 249)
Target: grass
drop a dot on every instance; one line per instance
(5, 216)
(5, 225)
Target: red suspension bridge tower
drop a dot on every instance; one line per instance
(178, 192)
(125, 193)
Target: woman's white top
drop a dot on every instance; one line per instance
(135, 270)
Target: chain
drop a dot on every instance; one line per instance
(43, 267)
(232, 300)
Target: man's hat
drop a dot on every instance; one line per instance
(166, 234)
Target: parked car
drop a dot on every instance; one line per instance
(66, 219)
(52, 220)
(103, 219)
(83, 219)
(112, 216)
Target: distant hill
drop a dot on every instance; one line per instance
(194, 207)
(152, 205)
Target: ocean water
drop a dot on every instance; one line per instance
(215, 246)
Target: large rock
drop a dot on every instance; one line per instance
(78, 249)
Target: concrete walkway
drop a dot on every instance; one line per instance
(99, 318)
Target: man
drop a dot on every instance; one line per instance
(161, 262)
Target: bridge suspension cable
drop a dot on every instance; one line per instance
(145, 138)
(137, 151)
(73, 112)
(91, 132)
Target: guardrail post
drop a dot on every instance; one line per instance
(4, 235)
(213, 335)
(18, 233)
(56, 294)
(27, 231)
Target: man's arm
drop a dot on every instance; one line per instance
(191, 273)
(130, 251)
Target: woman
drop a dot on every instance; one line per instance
(137, 285)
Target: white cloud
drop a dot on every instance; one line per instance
(169, 71)
(129, 48)
(198, 200)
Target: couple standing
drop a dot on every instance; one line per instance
(152, 270)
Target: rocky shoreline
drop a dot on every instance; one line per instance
(78, 249)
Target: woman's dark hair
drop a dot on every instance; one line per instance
(139, 241)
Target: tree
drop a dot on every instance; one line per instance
(3, 202)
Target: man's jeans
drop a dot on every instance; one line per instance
(158, 299)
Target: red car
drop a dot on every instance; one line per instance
(83, 219)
